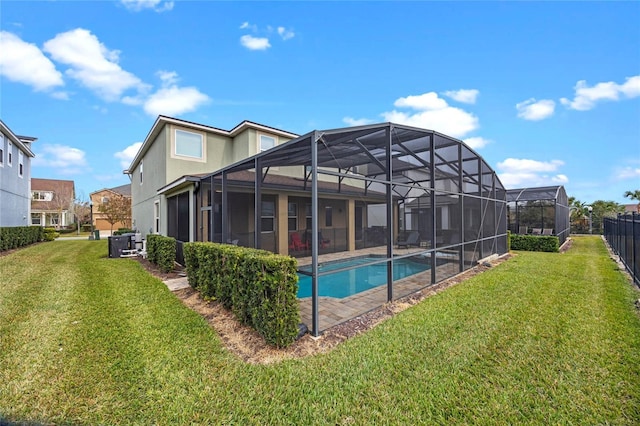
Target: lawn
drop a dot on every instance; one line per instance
(544, 338)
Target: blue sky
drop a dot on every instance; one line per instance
(548, 93)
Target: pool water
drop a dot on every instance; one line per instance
(347, 283)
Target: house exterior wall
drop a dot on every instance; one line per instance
(15, 205)
(100, 222)
(144, 195)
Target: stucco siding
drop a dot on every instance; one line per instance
(15, 193)
(154, 170)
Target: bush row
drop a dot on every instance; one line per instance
(260, 287)
(161, 250)
(19, 236)
(534, 243)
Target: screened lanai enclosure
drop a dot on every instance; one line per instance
(539, 211)
(372, 213)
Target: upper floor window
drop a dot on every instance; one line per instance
(267, 142)
(20, 164)
(1, 150)
(42, 195)
(189, 144)
(10, 154)
(140, 172)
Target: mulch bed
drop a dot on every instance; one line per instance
(249, 346)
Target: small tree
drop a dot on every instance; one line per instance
(116, 209)
(634, 195)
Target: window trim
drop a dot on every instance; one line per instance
(174, 146)
(140, 169)
(156, 217)
(260, 136)
(10, 154)
(20, 164)
(271, 217)
(294, 217)
(2, 149)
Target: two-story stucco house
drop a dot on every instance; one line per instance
(15, 177)
(104, 196)
(166, 170)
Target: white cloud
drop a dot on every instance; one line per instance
(92, 64)
(247, 26)
(467, 96)
(426, 101)
(534, 110)
(515, 172)
(25, 63)
(476, 142)
(139, 5)
(586, 97)
(433, 113)
(127, 155)
(285, 33)
(171, 99)
(356, 121)
(67, 160)
(627, 172)
(255, 43)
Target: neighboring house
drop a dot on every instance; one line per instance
(52, 202)
(103, 196)
(15, 176)
(173, 157)
(631, 208)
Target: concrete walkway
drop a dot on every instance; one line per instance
(177, 283)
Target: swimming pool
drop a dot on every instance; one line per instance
(342, 284)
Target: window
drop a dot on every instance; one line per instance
(42, 195)
(328, 216)
(156, 215)
(189, 144)
(307, 210)
(105, 200)
(140, 172)
(268, 216)
(1, 150)
(10, 154)
(20, 164)
(267, 142)
(293, 216)
(35, 218)
(55, 219)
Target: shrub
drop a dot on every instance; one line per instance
(121, 231)
(85, 228)
(258, 286)
(535, 243)
(161, 250)
(19, 236)
(50, 234)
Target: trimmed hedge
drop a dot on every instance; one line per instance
(161, 250)
(535, 243)
(121, 231)
(260, 287)
(19, 236)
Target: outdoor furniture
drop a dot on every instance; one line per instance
(322, 242)
(412, 240)
(547, 231)
(296, 243)
(536, 231)
(523, 230)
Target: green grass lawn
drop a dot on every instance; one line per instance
(544, 338)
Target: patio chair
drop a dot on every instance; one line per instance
(323, 241)
(412, 240)
(296, 243)
(547, 231)
(522, 230)
(536, 231)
